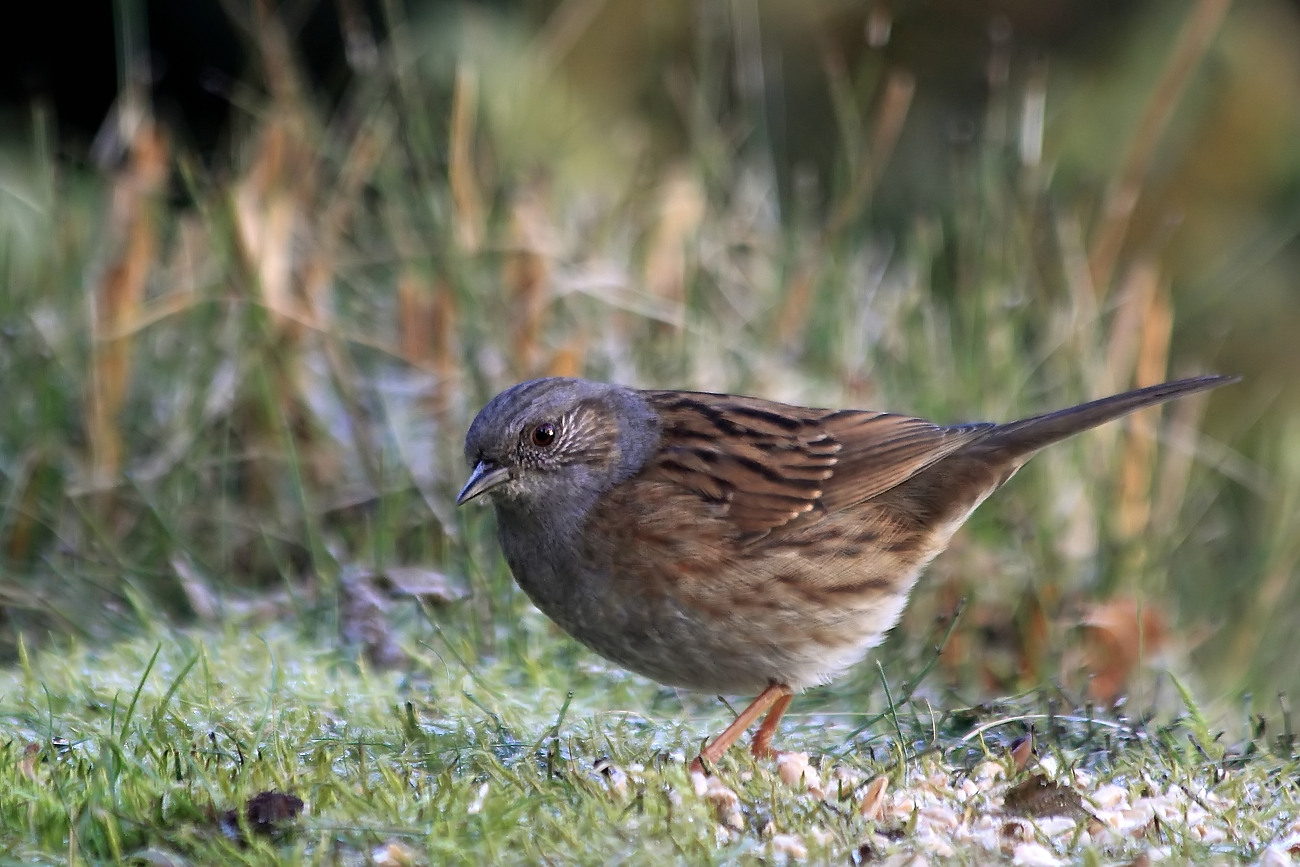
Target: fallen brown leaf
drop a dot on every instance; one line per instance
(1038, 796)
(873, 800)
(262, 813)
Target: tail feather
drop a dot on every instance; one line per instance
(1029, 435)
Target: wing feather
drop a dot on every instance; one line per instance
(763, 464)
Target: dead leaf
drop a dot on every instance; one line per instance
(198, 590)
(427, 585)
(364, 618)
(394, 854)
(367, 600)
(726, 803)
(1022, 751)
(1119, 635)
(1038, 797)
(27, 767)
(262, 813)
(873, 800)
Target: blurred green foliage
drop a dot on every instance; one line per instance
(249, 374)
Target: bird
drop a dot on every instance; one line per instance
(733, 544)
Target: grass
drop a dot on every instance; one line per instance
(139, 752)
(235, 398)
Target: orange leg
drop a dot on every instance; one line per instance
(762, 745)
(777, 697)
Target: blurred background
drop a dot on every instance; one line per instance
(263, 262)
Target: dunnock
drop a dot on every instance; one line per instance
(734, 544)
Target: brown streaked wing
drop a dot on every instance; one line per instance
(765, 463)
(761, 463)
(882, 450)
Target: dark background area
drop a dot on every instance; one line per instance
(66, 55)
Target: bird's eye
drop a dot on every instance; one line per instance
(543, 435)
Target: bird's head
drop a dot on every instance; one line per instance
(556, 442)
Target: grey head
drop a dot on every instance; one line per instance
(557, 443)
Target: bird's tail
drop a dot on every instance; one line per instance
(1029, 435)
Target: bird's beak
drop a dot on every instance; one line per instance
(485, 477)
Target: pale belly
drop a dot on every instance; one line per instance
(737, 640)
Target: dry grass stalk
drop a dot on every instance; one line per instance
(1121, 197)
(271, 205)
(1269, 598)
(427, 331)
(667, 262)
(1176, 465)
(1137, 468)
(445, 355)
(569, 359)
(414, 317)
(273, 201)
(1119, 365)
(23, 526)
(273, 46)
(797, 306)
(886, 127)
(119, 297)
(565, 26)
(1078, 280)
(880, 23)
(318, 279)
(291, 223)
(527, 279)
(468, 220)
